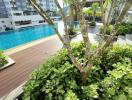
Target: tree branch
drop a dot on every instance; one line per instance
(110, 38)
(110, 11)
(63, 16)
(47, 18)
(124, 11)
(83, 28)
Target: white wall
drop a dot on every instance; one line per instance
(6, 23)
(34, 20)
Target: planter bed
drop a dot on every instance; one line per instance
(10, 62)
(99, 36)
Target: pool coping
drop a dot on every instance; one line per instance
(27, 45)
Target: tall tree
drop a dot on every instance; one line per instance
(90, 55)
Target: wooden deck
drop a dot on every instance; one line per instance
(26, 61)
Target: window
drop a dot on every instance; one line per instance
(17, 23)
(2, 21)
(41, 21)
(17, 14)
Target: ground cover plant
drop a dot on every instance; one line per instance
(3, 60)
(59, 79)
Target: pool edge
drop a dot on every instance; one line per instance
(28, 45)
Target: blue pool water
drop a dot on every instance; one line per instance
(15, 38)
(25, 35)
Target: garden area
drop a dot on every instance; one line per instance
(82, 70)
(59, 79)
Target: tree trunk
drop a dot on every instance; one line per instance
(71, 17)
(84, 29)
(94, 16)
(84, 78)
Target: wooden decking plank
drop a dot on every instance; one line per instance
(26, 61)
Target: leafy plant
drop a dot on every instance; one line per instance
(108, 30)
(88, 11)
(93, 24)
(71, 31)
(3, 61)
(59, 79)
(124, 28)
(70, 95)
(76, 8)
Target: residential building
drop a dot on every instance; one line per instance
(4, 20)
(3, 12)
(19, 13)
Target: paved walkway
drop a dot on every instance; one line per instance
(26, 61)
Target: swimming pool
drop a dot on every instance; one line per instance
(15, 38)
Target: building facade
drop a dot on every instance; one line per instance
(4, 21)
(3, 11)
(19, 13)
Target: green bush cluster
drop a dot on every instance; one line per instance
(124, 28)
(93, 24)
(3, 61)
(59, 79)
(71, 32)
(108, 30)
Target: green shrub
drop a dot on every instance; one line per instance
(93, 24)
(3, 61)
(108, 30)
(118, 84)
(124, 28)
(71, 31)
(88, 11)
(59, 79)
(70, 95)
